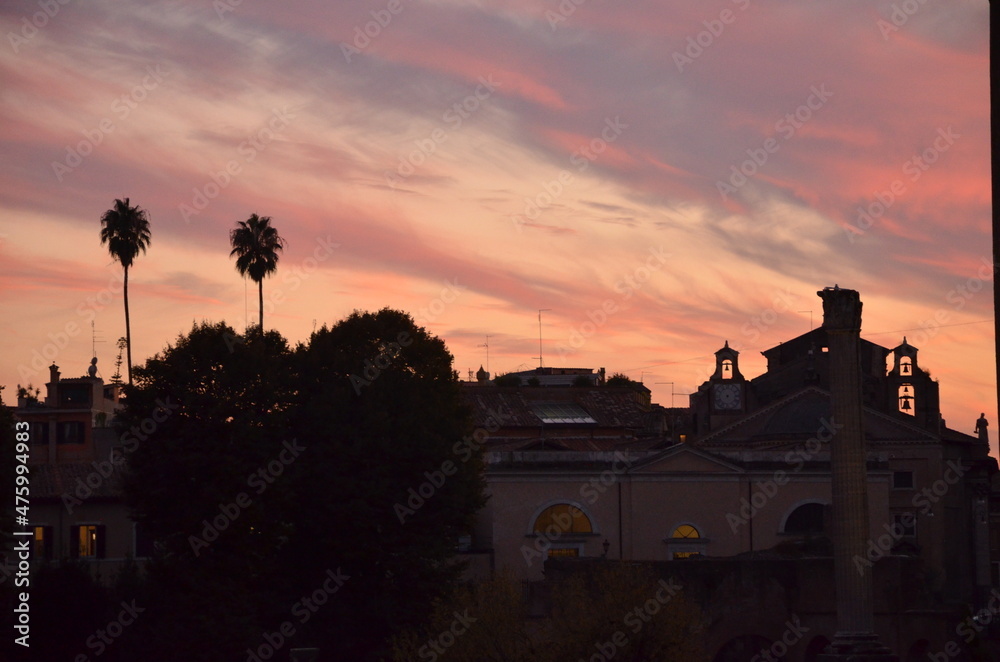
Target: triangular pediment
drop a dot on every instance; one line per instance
(684, 458)
(801, 415)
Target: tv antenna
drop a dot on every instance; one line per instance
(671, 392)
(487, 346)
(540, 311)
(94, 339)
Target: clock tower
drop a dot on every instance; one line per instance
(728, 385)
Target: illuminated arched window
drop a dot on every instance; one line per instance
(907, 403)
(685, 542)
(686, 531)
(562, 518)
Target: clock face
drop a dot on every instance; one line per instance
(727, 396)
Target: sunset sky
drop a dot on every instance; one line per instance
(660, 177)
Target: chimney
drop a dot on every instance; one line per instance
(52, 388)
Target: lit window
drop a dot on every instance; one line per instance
(685, 542)
(562, 518)
(87, 541)
(563, 553)
(42, 542)
(686, 531)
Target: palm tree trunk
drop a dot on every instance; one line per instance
(260, 302)
(128, 330)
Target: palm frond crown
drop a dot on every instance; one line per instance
(125, 229)
(256, 245)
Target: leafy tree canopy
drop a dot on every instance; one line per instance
(348, 453)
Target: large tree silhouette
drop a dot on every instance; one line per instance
(256, 245)
(125, 230)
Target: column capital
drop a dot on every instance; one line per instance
(841, 309)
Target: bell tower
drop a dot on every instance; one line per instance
(728, 383)
(911, 391)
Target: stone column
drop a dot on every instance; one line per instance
(855, 640)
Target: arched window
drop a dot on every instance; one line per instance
(905, 365)
(686, 531)
(685, 542)
(727, 369)
(562, 530)
(562, 518)
(807, 518)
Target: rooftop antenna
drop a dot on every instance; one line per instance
(671, 392)
(810, 317)
(540, 311)
(93, 339)
(487, 346)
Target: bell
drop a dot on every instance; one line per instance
(906, 403)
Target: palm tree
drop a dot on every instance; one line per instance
(256, 244)
(125, 229)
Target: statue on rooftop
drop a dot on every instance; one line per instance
(981, 428)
